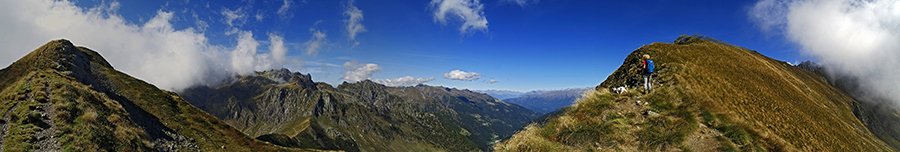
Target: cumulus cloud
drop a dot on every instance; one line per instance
(851, 37)
(492, 81)
(521, 3)
(470, 12)
(403, 81)
(461, 75)
(277, 49)
(285, 9)
(154, 51)
(353, 71)
(354, 17)
(316, 42)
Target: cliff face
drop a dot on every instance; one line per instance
(707, 96)
(63, 97)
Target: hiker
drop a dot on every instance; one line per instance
(647, 68)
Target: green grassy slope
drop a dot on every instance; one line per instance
(708, 97)
(62, 97)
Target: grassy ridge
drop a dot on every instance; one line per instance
(62, 97)
(709, 97)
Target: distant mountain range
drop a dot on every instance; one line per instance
(502, 94)
(507, 94)
(291, 110)
(548, 101)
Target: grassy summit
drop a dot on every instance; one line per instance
(62, 97)
(708, 97)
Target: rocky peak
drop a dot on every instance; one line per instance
(367, 90)
(61, 55)
(284, 75)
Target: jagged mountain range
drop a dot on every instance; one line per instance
(289, 109)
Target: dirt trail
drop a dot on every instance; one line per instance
(46, 137)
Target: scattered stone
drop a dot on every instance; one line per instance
(651, 113)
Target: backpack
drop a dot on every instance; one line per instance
(650, 66)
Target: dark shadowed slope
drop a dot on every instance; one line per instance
(708, 97)
(62, 97)
(879, 114)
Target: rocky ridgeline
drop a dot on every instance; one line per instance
(288, 109)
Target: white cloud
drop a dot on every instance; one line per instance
(154, 51)
(521, 3)
(201, 25)
(471, 12)
(353, 25)
(277, 49)
(234, 15)
(259, 17)
(243, 57)
(851, 37)
(353, 71)
(492, 81)
(461, 75)
(316, 42)
(285, 9)
(403, 81)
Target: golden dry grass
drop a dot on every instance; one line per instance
(756, 103)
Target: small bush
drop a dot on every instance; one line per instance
(88, 116)
(13, 117)
(664, 131)
(725, 145)
(40, 96)
(21, 97)
(34, 117)
(737, 134)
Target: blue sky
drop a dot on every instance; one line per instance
(535, 44)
